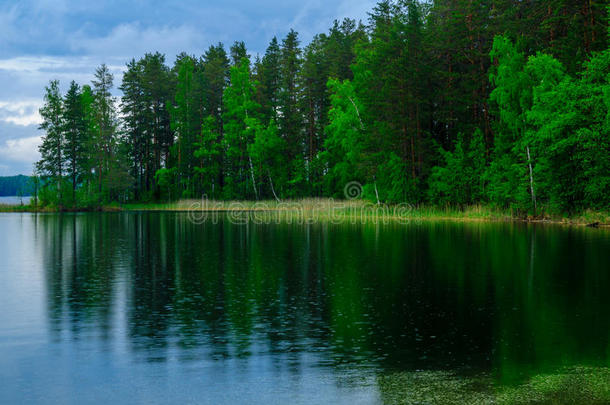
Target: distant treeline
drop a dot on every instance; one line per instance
(450, 102)
(16, 186)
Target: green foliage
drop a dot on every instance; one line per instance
(460, 180)
(186, 125)
(561, 120)
(52, 162)
(569, 124)
(345, 143)
(166, 179)
(208, 151)
(269, 162)
(240, 120)
(384, 104)
(76, 137)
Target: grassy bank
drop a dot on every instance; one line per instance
(328, 209)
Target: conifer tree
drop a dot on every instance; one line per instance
(52, 148)
(76, 137)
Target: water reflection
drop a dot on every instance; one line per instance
(398, 297)
(511, 300)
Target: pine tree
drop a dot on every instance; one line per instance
(132, 107)
(110, 158)
(404, 105)
(52, 162)
(76, 137)
(269, 78)
(215, 76)
(158, 91)
(186, 125)
(238, 52)
(90, 126)
(290, 119)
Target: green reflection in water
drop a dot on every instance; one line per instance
(502, 309)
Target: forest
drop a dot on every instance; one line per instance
(445, 102)
(15, 186)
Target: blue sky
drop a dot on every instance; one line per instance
(42, 40)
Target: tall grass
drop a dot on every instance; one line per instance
(320, 209)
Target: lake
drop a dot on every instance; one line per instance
(15, 200)
(152, 308)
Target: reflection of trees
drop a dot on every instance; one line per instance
(438, 296)
(78, 259)
(542, 288)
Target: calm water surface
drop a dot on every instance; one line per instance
(150, 308)
(15, 200)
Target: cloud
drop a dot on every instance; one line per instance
(23, 113)
(48, 64)
(131, 40)
(27, 76)
(17, 156)
(18, 148)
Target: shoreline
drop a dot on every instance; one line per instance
(328, 210)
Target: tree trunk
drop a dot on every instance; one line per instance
(73, 189)
(272, 188)
(376, 193)
(253, 180)
(532, 191)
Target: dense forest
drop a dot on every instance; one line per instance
(16, 186)
(449, 102)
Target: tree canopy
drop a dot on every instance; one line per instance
(448, 102)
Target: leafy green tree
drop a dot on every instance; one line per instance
(384, 104)
(346, 139)
(267, 155)
(513, 97)
(240, 123)
(208, 151)
(166, 179)
(460, 180)
(568, 125)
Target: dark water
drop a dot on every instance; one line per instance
(150, 308)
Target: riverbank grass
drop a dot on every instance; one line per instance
(340, 210)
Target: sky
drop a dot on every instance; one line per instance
(43, 40)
